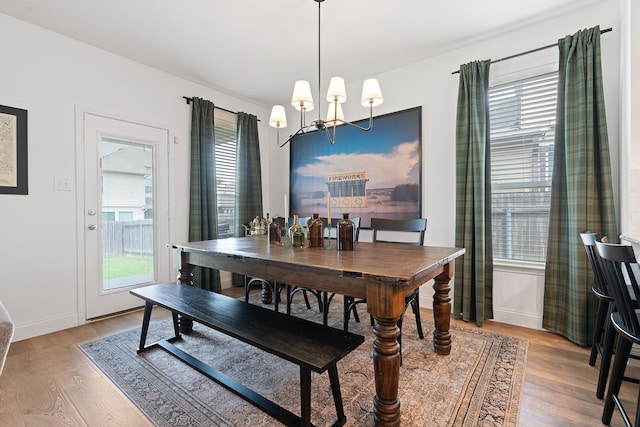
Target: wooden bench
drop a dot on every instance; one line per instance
(311, 346)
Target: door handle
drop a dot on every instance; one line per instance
(92, 227)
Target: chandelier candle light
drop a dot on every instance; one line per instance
(336, 95)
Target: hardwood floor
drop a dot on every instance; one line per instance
(48, 381)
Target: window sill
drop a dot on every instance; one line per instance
(509, 265)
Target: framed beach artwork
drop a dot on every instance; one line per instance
(374, 174)
(13, 150)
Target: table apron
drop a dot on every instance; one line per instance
(295, 275)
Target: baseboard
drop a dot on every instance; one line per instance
(502, 315)
(510, 317)
(45, 326)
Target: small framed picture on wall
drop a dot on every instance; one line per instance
(13, 151)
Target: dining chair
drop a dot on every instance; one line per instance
(620, 268)
(324, 299)
(291, 290)
(603, 334)
(266, 285)
(602, 325)
(400, 231)
(276, 287)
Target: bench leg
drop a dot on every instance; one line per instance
(145, 325)
(305, 397)
(337, 395)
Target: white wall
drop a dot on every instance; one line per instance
(518, 292)
(49, 75)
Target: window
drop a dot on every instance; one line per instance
(226, 143)
(522, 120)
(125, 216)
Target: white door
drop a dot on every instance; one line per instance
(125, 211)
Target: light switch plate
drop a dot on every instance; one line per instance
(61, 184)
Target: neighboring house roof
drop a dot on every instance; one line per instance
(130, 159)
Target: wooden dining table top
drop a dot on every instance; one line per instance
(398, 264)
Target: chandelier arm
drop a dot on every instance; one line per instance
(300, 131)
(328, 133)
(362, 127)
(290, 138)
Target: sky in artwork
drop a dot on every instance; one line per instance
(389, 153)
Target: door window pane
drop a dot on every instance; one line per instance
(127, 188)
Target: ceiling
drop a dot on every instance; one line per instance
(256, 49)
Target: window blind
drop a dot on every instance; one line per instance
(226, 143)
(522, 126)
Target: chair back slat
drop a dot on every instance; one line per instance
(589, 241)
(618, 263)
(416, 226)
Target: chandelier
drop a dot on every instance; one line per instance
(336, 95)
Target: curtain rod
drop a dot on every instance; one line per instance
(188, 99)
(606, 30)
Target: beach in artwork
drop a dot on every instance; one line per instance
(378, 204)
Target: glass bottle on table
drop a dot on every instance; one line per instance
(296, 233)
(315, 232)
(274, 231)
(346, 234)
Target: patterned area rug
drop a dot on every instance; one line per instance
(478, 384)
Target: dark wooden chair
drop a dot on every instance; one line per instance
(401, 231)
(605, 307)
(324, 299)
(291, 290)
(603, 332)
(271, 290)
(620, 268)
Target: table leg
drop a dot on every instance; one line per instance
(185, 277)
(442, 311)
(266, 294)
(186, 274)
(386, 365)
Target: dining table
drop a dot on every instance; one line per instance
(382, 273)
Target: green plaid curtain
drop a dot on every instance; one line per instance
(473, 290)
(203, 219)
(248, 177)
(581, 194)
